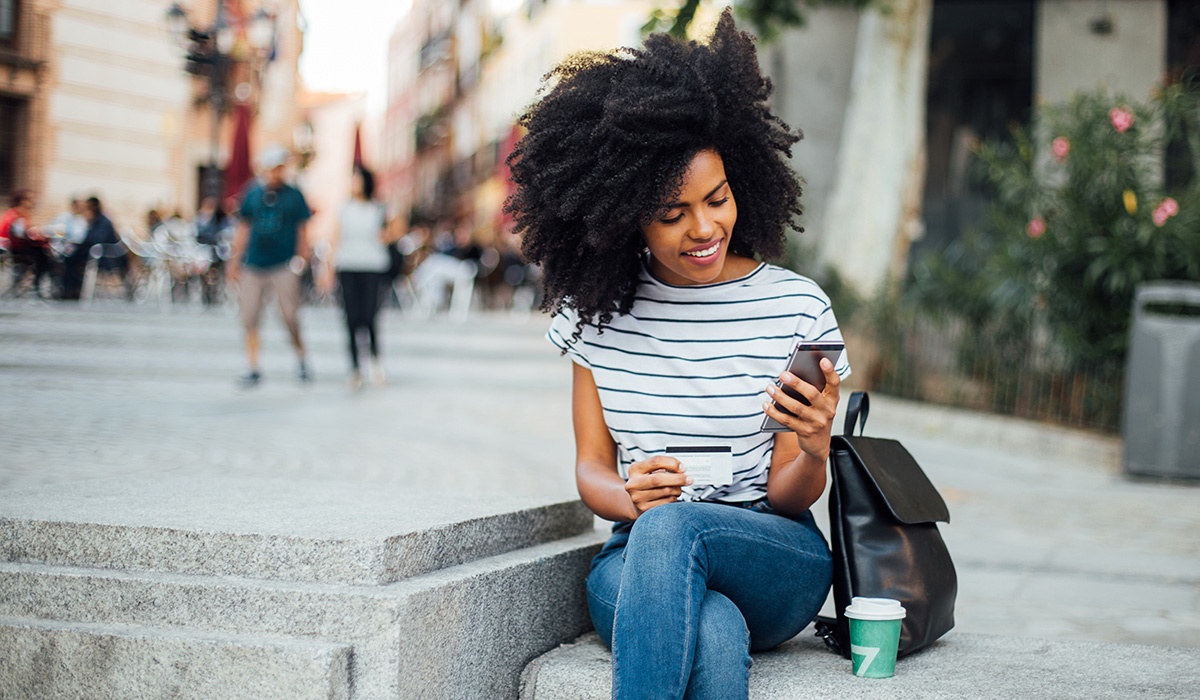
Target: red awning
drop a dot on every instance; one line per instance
(237, 170)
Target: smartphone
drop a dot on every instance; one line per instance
(805, 363)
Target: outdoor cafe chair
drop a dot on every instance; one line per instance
(110, 260)
(153, 278)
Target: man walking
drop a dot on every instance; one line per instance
(270, 251)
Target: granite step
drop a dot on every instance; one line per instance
(447, 597)
(460, 632)
(53, 660)
(960, 666)
(273, 528)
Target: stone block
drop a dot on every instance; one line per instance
(430, 595)
(64, 660)
(462, 632)
(960, 666)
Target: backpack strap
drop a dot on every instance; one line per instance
(858, 406)
(827, 629)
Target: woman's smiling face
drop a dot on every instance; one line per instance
(689, 241)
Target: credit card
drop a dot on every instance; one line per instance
(708, 465)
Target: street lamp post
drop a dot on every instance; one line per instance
(208, 53)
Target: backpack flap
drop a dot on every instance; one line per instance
(908, 493)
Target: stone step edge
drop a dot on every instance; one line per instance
(280, 557)
(90, 588)
(418, 582)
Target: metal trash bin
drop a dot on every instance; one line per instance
(1161, 421)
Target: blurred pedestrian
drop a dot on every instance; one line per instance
(29, 248)
(211, 228)
(463, 244)
(71, 225)
(360, 254)
(271, 244)
(100, 231)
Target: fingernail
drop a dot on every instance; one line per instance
(787, 377)
(770, 390)
(826, 364)
(766, 405)
(688, 481)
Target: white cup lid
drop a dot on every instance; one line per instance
(874, 609)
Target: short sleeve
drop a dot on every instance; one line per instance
(824, 329)
(562, 327)
(246, 210)
(303, 213)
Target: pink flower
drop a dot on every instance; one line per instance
(1168, 208)
(1061, 147)
(1121, 118)
(1036, 227)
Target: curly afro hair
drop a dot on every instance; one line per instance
(608, 145)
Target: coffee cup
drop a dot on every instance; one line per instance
(874, 635)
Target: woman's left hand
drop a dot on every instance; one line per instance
(813, 424)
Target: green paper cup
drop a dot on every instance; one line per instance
(874, 635)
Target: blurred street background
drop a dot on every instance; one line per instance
(1049, 538)
(989, 185)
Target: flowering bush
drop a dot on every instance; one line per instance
(1081, 215)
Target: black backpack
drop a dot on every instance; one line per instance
(883, 516)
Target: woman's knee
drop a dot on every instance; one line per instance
(671, 523)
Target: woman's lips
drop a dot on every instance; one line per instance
(704, 255)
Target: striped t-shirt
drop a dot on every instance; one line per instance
(688, 365)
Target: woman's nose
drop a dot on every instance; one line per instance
(705, 226)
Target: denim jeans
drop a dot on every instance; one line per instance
(684, 594)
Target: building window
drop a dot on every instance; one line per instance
(8, 20)
(980, 82)
(12, 123)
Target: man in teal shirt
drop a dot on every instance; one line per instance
(270, 252)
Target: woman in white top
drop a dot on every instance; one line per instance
(361, 259)
(651, 185)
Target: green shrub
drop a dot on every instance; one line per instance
(1080, 217)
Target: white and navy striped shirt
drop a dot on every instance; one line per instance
(690, 364)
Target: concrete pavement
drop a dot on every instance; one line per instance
(1050, 540)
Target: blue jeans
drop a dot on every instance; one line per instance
(685, 593)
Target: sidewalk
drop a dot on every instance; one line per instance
(1050, 540)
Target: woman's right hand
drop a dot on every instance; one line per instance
(655, 481)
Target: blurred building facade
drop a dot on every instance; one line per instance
(97, 101)
(459, 76)
(461, 72)
(335, 119)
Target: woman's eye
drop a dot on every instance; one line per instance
(672, 220)
(719, 202)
